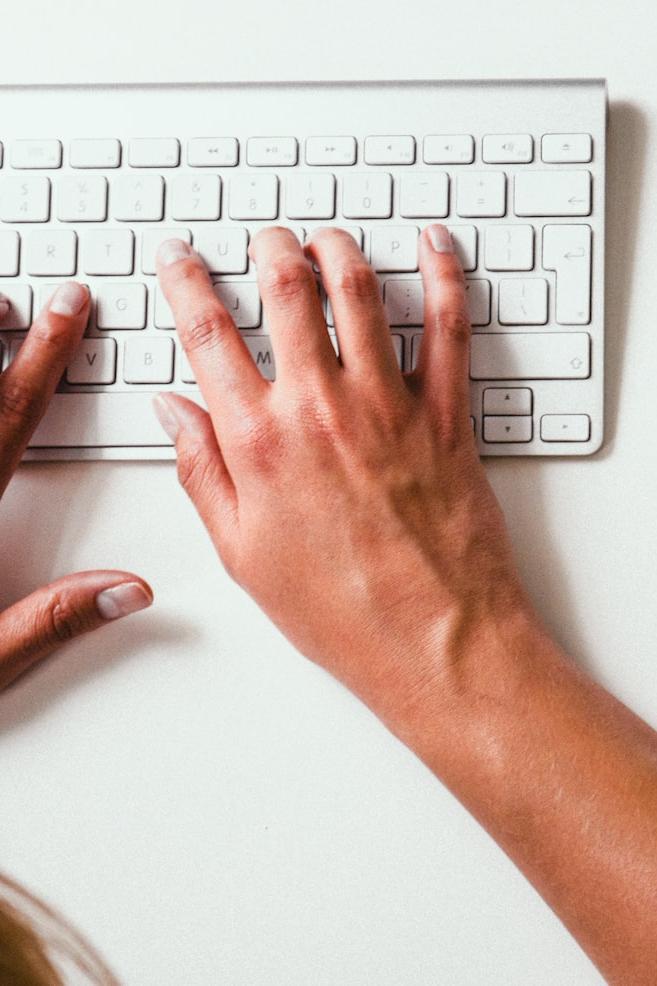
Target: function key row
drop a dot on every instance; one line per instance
(283, 152)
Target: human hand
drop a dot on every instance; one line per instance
(37, 625)
(346, 498)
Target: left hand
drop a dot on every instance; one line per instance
(38, 624)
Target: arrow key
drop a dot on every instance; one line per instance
(565, 427)
(499, 428)
(510, 400)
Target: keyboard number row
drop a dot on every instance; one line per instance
(309, 195)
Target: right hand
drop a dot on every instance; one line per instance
(348, 499)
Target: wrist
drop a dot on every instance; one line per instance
(464, 680)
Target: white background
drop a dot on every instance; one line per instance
(207, 806)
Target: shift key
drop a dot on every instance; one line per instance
(530, 356)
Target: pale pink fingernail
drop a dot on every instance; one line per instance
(4, 305)
(122, 600)
(166, 416)
(69, 299)
(171, 251)
(441, 239)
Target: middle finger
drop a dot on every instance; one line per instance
(292, 306)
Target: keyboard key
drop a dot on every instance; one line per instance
(262, 352)
(565, 427)
(121, 305)
(151, 240)
(82, 199)
(148, 360)
(99, 420)
(448, 149)
(465, 242)
(512, 400)
(566, 148)
(481, 193)
(355, 232)
(19, 315)
(51, 252)
(94, 362)
(424, 195)
(271, 152)
(163, 316)
(523, 301)
(36, 154)
(404, 301)
(416, 342)
(397, 345)
(95, 153)
(224, 249)
(242, 301)
(212, 152)
(367, 195)
(389, 150)
(25, 199)
(9, 250)
(530, 356)
(185, 367)
(478, 291)
(158, 152)
(507, 149)
(195, 197)
(394, 248)
(330, 151)
(108, 251)
(509, 248)
(310, 196)
(503, 429)
(137, 198)
(567, 251)
(553, 193)
(253, 196)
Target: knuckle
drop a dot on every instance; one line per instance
(192, 468)
(19, 403)
(262, 443)
(455, 323)
(288, 277)
(358, 281)
(62, 620)
(202, 329)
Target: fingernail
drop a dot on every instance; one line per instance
(166, 416)
(68, 299)
(441, 239)
(4, 305)
(171, 251)
(122, 600)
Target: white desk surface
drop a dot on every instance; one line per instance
(206, 805)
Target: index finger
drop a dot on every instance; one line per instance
(230, 382)
(29, 382)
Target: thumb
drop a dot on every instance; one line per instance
(34, 627)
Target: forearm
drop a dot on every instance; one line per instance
(563, 777)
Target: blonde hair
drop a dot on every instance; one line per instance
(39, 948)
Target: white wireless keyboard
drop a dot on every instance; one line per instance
(93, 179)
